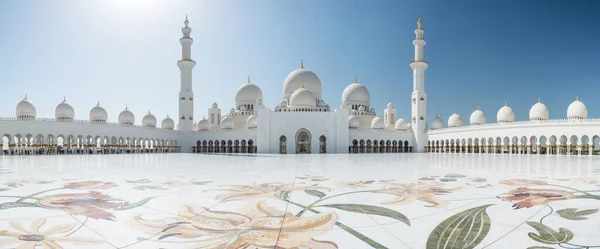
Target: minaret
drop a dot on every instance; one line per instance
(186, 95)
(419, 98)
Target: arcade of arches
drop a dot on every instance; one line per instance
(379, 146)
(222, 146)
(80, 144)
(542, 145)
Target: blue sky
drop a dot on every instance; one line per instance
(481, 53)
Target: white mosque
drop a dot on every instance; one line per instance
(301, 123)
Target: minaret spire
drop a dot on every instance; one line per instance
(419, 103)
(186, 95)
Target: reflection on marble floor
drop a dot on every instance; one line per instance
(309, 201)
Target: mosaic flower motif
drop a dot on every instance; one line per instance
(527, 197)
(15, 183)
(356, 184)
(260, 191)
(48, 239)
(423, 191)
(427, 178)
(90, 185)
(259, 226)
(314, 178)
(93, 204)
(523, 182)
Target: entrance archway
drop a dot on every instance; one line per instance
(303, 142)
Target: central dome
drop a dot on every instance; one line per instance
(301, 77)
(98, 114)
(126, 117)
(477, 117)
(149, 120)
(577, 110)
(26, 109)
(64, 111)
(303, 98)
(437, 123)
(505, 114)
(455, 120)
(248, 93)
(539, 111)
(356, 94)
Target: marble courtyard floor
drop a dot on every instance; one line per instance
(304, 201)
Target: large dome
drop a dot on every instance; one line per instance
(303, 97)
(98, 114)
(401, 124)
(539, 111)
(577, 110)
(167, 123)
(226, 123)
(149, 120)
(26, 109)
(203, 124)
(505, 114)
(248, 93)
(455, 120)
(251, 122)
(126, 117)
(377, 123)
(301, 77)
(356, 94)
(477, 117)
(64, 111)
(437, 123)
(353, 122)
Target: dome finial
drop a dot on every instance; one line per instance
(576, 97)
(26, 96)
(419, 20)
(148, 111)
(477, 107)
(167, 115)
(64, 98)
(505, 103)
(302, 86)
(186, 22)
(98, 103)
(355, 79)
(248, 78)
(301, 64)
(539, 100)
(125, 107)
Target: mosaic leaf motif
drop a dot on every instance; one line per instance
(4, 189)
(462, 230)
(8, 205)
(573, 214)
(547, 235)
(314, 192)
(368, 209)
(152, 187)
(135, 204)
(139, 181)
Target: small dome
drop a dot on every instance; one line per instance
(361, 108)
(455, 120)
(248, 93)
(64, 111)
(259, 103)
(321, 103)
(232, 110)
(283, 103)
(401, 124)
(215, 105)
(390, 105)
(243, 108)
(539, 111)
(300, 77)
(167, 123)
(26, 109)
(98, 114)
(477, 117)
(356, 94)
(372, 110)
(303, 98)
(577, 110)
(126, 117)
(251, 122)
(226, 123)
(203, 124)
(149, 120)
(377, 123)
(353, 122)
(505, 114)
(437, 123)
